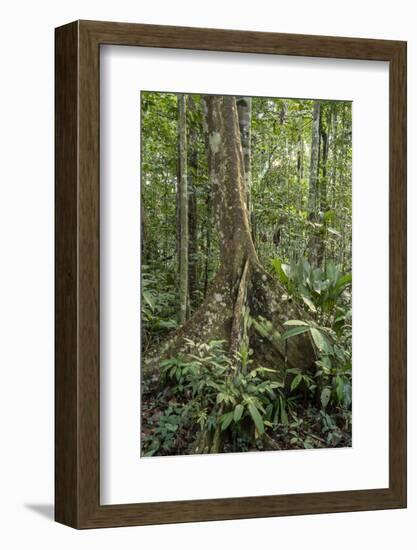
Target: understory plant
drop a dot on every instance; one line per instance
(157, 307)
(218, 403)
(326, 293)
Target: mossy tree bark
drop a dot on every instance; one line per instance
(241, 280)
(244, 110)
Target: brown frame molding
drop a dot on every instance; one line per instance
(77, 361)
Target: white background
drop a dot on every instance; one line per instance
(124, 476)
(26, 217)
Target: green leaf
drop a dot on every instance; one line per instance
(333, 231)
(329, 215)
(309, 304)
(319, 340)
(220, 397)
(237, 415)
(325, 397)
(279, 269)
(256, 417)
(226, 420)
(276, 415)
(339, 388)
(152, 451)
(265, 329)
(260, 328)
(265, 369)
(274, 385)
(170, 324)
(284, 416)
(147, 296)
(343, 282)
(294, 331)
(296, 323)
(296, 381)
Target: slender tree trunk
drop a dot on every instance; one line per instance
(325, 122)
(344, 244)
(300, 163)
(208, 210)
(345, 192)
(315, 134)
(324, 135)
(332, 171)
(207, 251)
(144, 251)
(300, 153)
(192, 208)
(183, 210)
(313, 185)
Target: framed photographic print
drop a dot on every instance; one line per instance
(230, 274)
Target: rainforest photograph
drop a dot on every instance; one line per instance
(246, 273)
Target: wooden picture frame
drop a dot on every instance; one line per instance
(77, 402)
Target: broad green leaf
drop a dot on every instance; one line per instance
(226, 420)
(343, 282)
(331, 271)
(324, 362)
(220, 397)
(256, 417)
(147, 296)
(294, 371)
(339, 388)
(296, 323)
(237, 415)
(294, 331)
(296, 381)
(320, 340)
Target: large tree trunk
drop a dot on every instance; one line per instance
(241, 280)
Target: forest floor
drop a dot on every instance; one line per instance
(305, 428)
